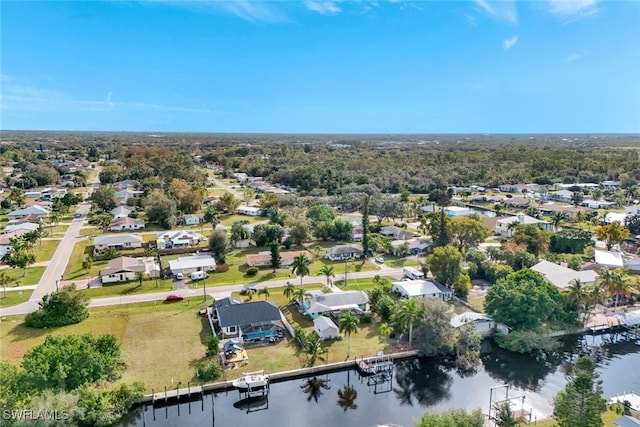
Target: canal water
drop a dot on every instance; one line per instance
(417, 385)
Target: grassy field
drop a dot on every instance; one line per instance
(74, 269)
(477, 303)
(14, 297)
(608, 418)
(149, 334)
(130, 288)
(30, 276)
(44, 249)
(358, 284)
(237, 262)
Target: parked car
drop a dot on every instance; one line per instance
(245, 288)
(380, 260)
(174, 297)
(178, 276)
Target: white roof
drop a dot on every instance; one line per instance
(615, 217)
(30, 226)
(469, 316)
(418, 288)
(631, 318)
(247, 208)
(610, 259)
(323, 323)
(322, 302)
(194, 261)
(560, 276)
(30, 210)
(111, 239)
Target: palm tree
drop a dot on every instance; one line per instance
(5, 280)
(288, 291)
(239, 230)
(250, 293)
(313, 349)
(139, 277)
(264, 291)
(408, 312)
(301, 266)
(620, 285)
(606, 280)
(348, 323)
(577, 294)
(557, 217)
(327, 271)
(299, 295)
(87, 262)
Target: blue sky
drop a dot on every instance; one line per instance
(321, 66)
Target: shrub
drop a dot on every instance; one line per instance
(212, 343)
(366, 318)
(209, 370)
(61, 308)
(252, 271)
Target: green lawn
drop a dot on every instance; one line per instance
(237, 262)
(74, 269)
(357, 284)
(56, 231)
(477, 303)
(394, 262)
(30, 276)
(130, 288)
(149, 334)
(14, 297)
(44, 249)
(608, 418)
(90, 231)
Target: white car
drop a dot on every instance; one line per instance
(380, 260)
(179, 276)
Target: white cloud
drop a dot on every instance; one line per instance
(572, 10)
(574, 57)
(249, 10)
(16, 96)
(323, 7)
(502, 10)
(510, 42)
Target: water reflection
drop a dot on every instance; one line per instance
(422, 380)
(347, 396)
(521, 370)
(314, 387)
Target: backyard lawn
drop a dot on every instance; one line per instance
(477, 303)
(14, 297)
(130, 288)
(149, 334)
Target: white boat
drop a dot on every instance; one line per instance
(251, 381)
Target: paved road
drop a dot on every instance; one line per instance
(213, 291)
(56, 266)
(226, 187)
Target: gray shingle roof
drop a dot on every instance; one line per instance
(248, 313)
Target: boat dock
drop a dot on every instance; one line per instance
(375, 365)
(632, 398)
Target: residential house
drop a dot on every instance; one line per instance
(35, 211)
(483, 323)
(411, 247)
(336, 303)
(561, 277)
(21, 228)
(597, 204)
(610, 185)
(343, 252)
(121, 212)
(263, 259)
(457, 211)
(632, 210)
(565, 196)
(193, 219)
(249, 210)
(125, 194)
(357, 234)
(32, 194)
(627, 421)
(608, 259)
(325, 328)
(504, 226)
(5, 243)
(123, 185)
(517, 202)
(53, 193)
(126, 223)
(248, 319)
(190, 264)
(117, 241)
(179, 239)
(513, 188)
(397, 233)
(427, 288)
(615, 217)
(124, 269)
